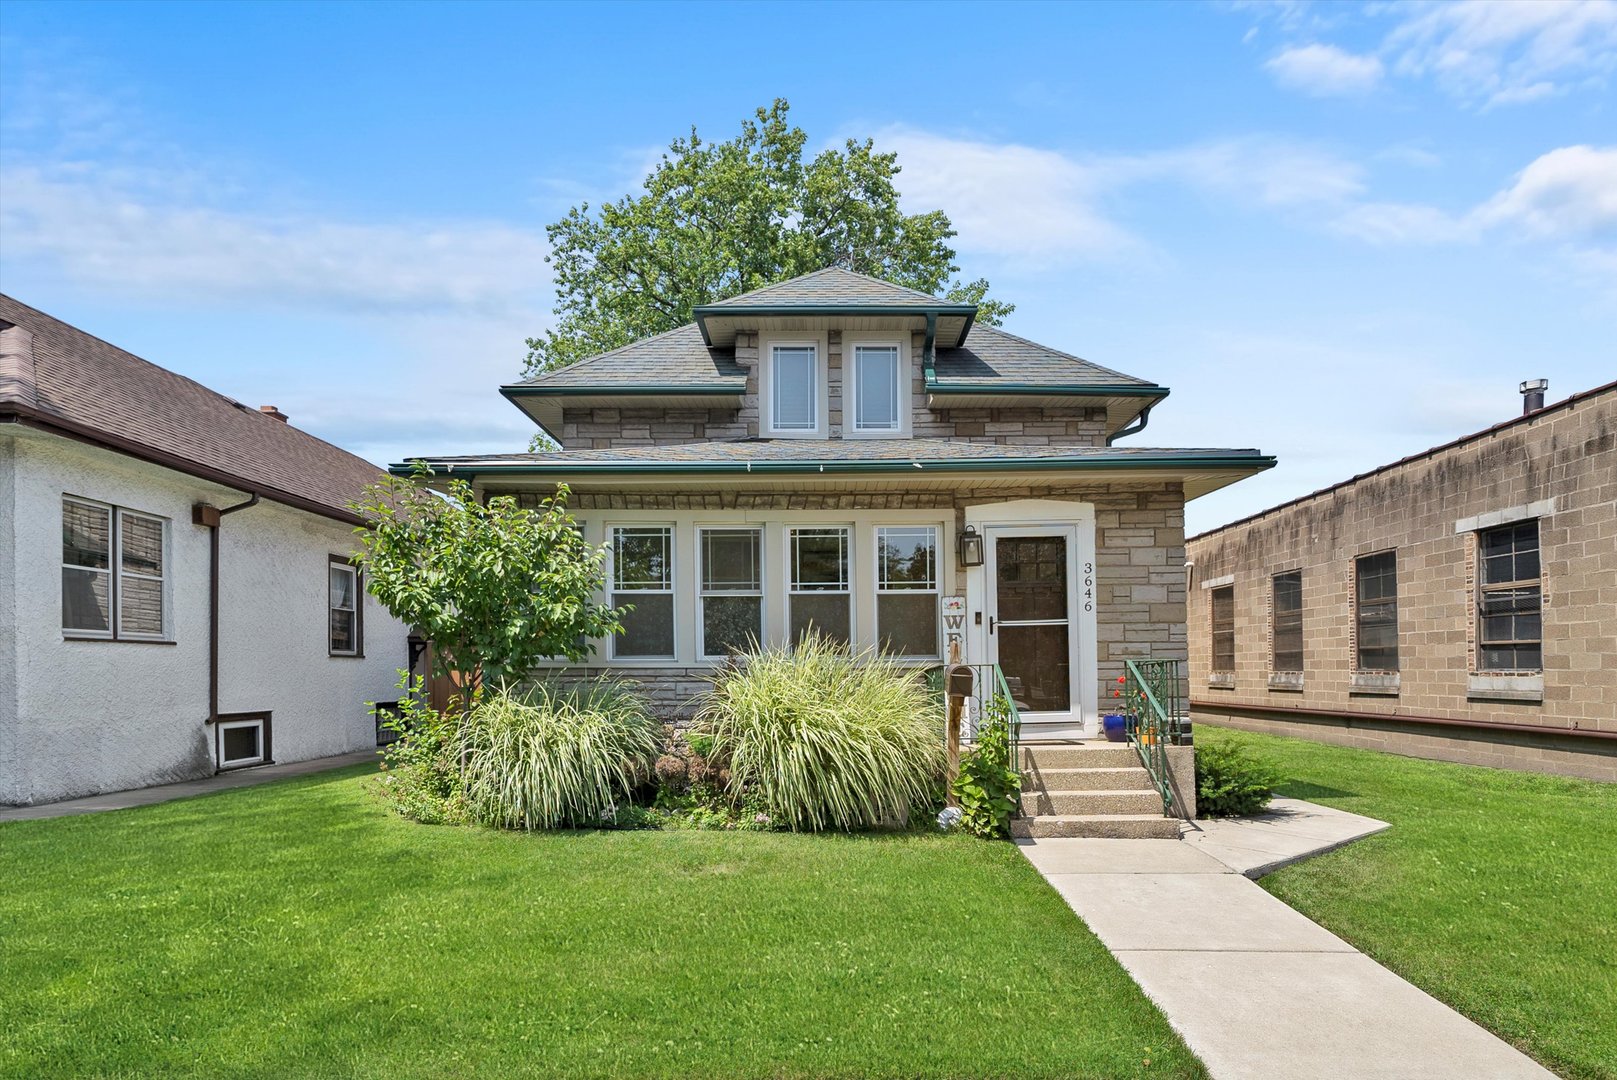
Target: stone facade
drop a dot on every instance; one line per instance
(611, 428)
(1139, 549)
(1557, 467)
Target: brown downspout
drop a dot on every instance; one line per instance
(209, 516)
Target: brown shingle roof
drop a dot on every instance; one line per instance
(59, 377)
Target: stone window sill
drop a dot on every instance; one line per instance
(1221, 680)
(1291, 681)
(1528, 688)
(1374, 682)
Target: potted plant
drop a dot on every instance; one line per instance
(1115, 725)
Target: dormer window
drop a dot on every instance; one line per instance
(878, 389)
(794, 388)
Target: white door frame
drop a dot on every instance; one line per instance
(1036, 517)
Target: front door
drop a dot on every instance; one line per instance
(1032, 628)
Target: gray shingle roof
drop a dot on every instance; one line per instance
(833, 285)
(991, 357)
(63, 379)
(676, 358)
(812, 452)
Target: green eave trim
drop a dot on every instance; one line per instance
(699, 390)
(1254, 461)
(1081, 390)
(701, 313)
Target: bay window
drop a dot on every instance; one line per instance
(907, 592)
(732, 595)
(643, 577)
(820, 598)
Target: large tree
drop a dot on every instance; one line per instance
(720, 219)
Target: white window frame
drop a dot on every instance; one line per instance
(766, 387)
(936, 591)
(116, 574)
(672, 564)
(902, 396)
(337, 563)
(703, 592)
(235, 725)
(849, 576)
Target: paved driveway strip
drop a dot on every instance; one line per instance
(1256, 989)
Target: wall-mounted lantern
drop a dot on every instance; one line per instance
(970, 546)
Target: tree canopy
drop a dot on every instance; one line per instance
(720, 219)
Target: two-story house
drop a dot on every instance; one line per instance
(845, 454)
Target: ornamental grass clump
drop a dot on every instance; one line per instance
(557, 757)
(823, 738)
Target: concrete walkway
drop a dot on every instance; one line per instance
(240, 778)
(1291, 830)
(1254, 988)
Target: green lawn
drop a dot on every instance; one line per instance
(297, 929)
(1494, 891)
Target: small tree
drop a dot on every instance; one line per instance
(496, 588)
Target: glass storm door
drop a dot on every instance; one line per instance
(1032, 632)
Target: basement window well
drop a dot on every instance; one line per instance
(242, 741)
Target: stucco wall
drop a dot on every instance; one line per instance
(8, 620)
(602, 429)
(95, 716)
(1559, 468)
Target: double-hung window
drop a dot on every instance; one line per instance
(732, 594)
(907, 592)
(343, 605)
(878, 389)
(1375, 590)
(1286, 623)
(114, 570)
(820, 599)
(643, 578)
(1510, 607)
(794, 387)
(1223, 620)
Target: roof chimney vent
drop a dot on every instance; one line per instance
(1532, 395)
(271, 410)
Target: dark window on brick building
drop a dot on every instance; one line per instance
(1510, 607)
(1224, 628)
(1375, 585)
(1287, 622)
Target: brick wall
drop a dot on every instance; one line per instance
(1139, 555)
(602, 429)
(1562, 466)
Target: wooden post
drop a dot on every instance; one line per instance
(957, 686)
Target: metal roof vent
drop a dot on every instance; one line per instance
(1533, 395)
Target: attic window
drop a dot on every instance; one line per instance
(794, 394)
(877, 383)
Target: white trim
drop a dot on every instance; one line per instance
(672, 562)
(935, 591)
(162, 578)
(766, 386)
(1509, 516)
(850, 576)
(703, 592)
(353, 572)
(902, 392)
(112, 597)
(1024, 517)
(239, 763)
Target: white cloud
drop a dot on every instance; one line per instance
(1325, 70)
(1481, 53)
(1008, 200)
(1570, 192)
(101, 228)
(1261, 169)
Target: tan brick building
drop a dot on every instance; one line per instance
(1459, 604)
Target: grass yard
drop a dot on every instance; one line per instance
(298, 929)
(1494, 891)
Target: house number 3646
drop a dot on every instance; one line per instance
(1089, 586)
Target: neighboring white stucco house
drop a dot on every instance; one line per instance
(127, 493)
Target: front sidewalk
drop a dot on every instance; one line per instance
(225, 781)
(1253, 987)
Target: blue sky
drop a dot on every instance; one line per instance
(1342, 233)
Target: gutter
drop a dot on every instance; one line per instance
(1252, 459)
(1135, 428)
(209, 517)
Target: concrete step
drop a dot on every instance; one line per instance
(1109, 778)
(1064, 803)
(1116, 826)
(1078, 755)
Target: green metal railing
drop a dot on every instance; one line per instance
(981, 685)
(1151, 692)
